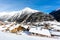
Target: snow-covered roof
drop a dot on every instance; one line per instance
(1, 27)
(53, 22)
(14, 26)
(11, 28)
(53, 26)
(43, 31)
(25, 26)
(57, 28)
(55, 33)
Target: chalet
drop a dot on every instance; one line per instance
(16, 29)
(39, 32)
(55, 33)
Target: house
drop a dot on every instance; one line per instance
(17, 28)
(39, 32)
(54, 33)
(13, 28)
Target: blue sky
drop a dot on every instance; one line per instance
(41, 5)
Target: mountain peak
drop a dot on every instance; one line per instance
(57, 9)
(27, 8)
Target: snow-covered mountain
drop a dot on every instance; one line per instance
(15, 14)
(28, 10)
(19, 16)
(34, 16)
(42, 28)
(6, 15)
(56, 14)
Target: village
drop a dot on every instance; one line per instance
(49, 29)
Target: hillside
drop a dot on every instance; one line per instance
(56, 14)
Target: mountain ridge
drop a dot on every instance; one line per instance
(56, 14)
(21, 15)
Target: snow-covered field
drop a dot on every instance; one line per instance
(10, 36)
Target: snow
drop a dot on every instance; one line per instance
(10, 36)
(55, 33)
(1, 27)
(57, 28)
(43, 31)
(25, 26)
(4, 16)
(8, 13)
(25, 35)
(29, 10)
(11, 28)
(53, 26)
(14, 26)
(57, 9)
(51, 22)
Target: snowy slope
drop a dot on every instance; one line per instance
(9, 36)
(6, 15)
(16, 14)
(28, 10)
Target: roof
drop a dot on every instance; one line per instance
(25, 26)
(55, 33)
(14, 26)
(43, 31)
